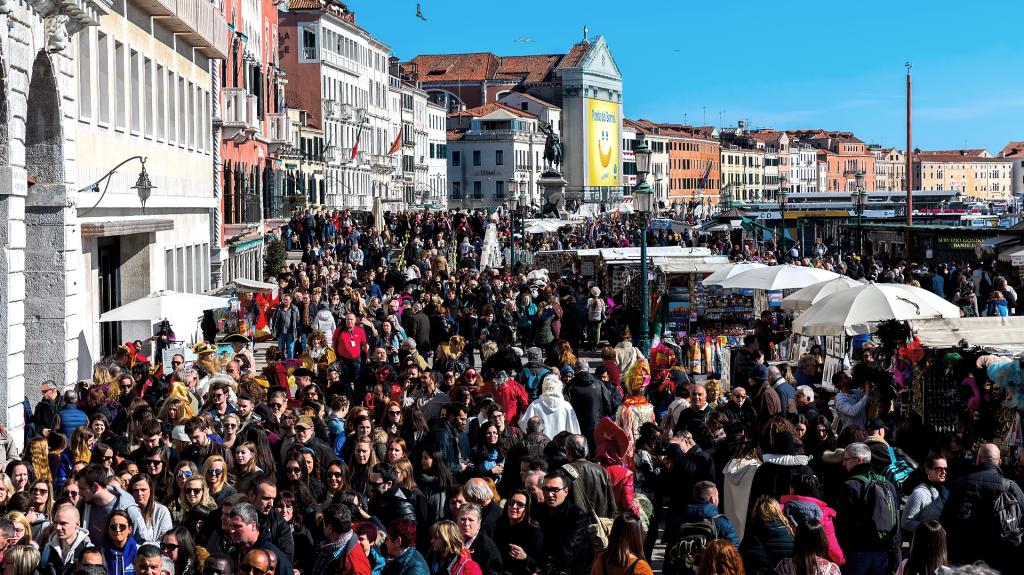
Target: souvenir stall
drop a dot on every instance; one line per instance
(678, 310)
(245, 314)
(965, 375)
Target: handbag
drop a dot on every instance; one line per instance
(599, 527)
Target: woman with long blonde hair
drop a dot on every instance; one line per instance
(196, 493)
(175, 411)
(768, 537)
(448, 552)
(22, 528)
(215, 470)
(37, 454)
(6, 490)
(82, 442)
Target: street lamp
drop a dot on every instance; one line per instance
(513, 204)
(783, 200)
(143, 185)
(860, 201)
(644, 200)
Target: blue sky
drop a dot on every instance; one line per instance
(793, 64)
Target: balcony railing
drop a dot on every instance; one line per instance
(310, 54)
(279, 128)
(198, 22)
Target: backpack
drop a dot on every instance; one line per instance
(898, 470)
(880, 500)
(690, 543)
(533, 380)
(1007, 511)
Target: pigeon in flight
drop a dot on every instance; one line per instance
(419, 13)
(522, 40)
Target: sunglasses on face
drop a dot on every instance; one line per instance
(336, 474)
(168, 546)
(277, 405)
(215, 471)
(194, 490)
(40, 490)
(154, 462)
(517, 504)
(185, 473)
(118, 527)
(294, 470)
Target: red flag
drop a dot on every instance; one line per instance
(355, 148)
(397, 144)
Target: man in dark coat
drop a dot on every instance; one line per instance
(446, 437)
(590, 481)
(566, 547)
(591, 401)
(574, 318)
(420, 324)
(389, 501)
(973, 530)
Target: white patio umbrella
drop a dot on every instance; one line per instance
(181, 309)
(730, 271)
(855, 310)
(801, 300)
(778, 278)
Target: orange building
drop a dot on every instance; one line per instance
(694, 160)
(846, 156)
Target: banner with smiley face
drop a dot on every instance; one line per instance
(603, 131)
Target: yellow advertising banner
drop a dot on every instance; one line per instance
(603, 129)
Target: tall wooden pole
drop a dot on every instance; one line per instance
(910, 170)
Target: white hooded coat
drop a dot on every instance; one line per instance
(739, 478)
(556, 413)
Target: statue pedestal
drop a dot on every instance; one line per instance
(552, 186)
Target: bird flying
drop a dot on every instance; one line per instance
(419, 12)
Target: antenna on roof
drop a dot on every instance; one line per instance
(585, 40)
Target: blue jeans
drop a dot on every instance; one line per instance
(866, 563)
(286, 343)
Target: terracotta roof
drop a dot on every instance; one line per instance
(454, 135)
(766, 135)
(575, 55)
(973, 153)
(528, 69)
(533, 98)
(1013, 150)
(335, 6)
(477, 66)
(955, 158)
(481, 111)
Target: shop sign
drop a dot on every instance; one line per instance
(775, 298)
(661, 224)
(956, 242)
(1017, 259)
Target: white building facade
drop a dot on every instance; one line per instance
(488, 147)
(803, 170)
(144, 91)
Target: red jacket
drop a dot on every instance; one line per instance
(464, 565)
(511, 397)
(356, 562)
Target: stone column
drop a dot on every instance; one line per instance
(12, 298)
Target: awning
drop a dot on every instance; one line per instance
(125, 226)
(704, 265)
(995, 242)
(998, 333)
(1015, 256)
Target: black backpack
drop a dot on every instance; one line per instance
(1007, 512)
(881, 501)
(690, 543)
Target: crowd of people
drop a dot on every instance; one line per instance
(417, 415)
